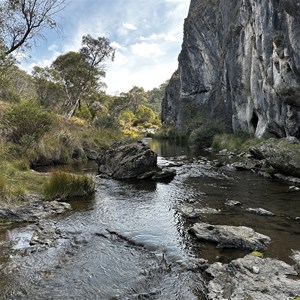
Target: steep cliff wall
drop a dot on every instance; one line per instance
(240, 64)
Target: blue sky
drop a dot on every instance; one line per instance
(147, 35)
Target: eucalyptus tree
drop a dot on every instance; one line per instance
(80, 73)
(21, 21)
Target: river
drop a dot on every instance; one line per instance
(129, 241)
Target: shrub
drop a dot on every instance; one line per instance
(203, 137)
(170, 133)
(106, 122)
(83, 112)
(66, 185)
(25, 123)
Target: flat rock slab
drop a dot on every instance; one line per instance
(231, 236)
(33, 211)
(253, 278)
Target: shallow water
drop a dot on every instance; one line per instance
(129, 242)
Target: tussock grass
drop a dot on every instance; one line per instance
(17, 181)
(232, 142)
(66, 185)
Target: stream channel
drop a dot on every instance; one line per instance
(130, 242)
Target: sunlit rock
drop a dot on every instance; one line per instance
(231, 236)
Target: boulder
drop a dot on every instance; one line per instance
(231, 236)
(253, 278)
(283, 155)
(131, 160)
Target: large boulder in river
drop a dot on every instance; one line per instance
(131, 160)
(283, 155)
(253, 278)
(231, 236)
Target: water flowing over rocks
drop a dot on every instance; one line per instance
(252, 278)
(239, 65)
(131, 160)
(231, 236)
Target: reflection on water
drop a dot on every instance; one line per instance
(129, 240)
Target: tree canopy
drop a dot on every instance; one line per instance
(23, 20)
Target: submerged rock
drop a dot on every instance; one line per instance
(192, 212)
(252, 278)
(231, 236)
(131, 160)
(230, 202)
(260, 211)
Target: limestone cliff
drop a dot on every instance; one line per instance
(240, 64)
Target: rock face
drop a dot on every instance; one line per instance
(231, 236)
(239, 64)
(252, 278)
(131, 160)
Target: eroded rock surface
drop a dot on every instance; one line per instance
(33, 211)
(239, 64)
(131, 160)
(231, 236)
(253, 278)
(282, 155)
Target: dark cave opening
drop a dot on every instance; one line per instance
(254, 121)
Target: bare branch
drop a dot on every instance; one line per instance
(23, 20)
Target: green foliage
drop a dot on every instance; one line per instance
(203, 136)
(25, 123)
(241, 142)
(83, 112)
(170, 133)
(50, 92)
(155, 97)
(145, 114)
(106, 122)
(66, 185)
(126, 118)
(257, 254)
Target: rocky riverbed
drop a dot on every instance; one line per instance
(135, 239)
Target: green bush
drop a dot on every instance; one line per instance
(25, 123)
(66, 185)
(106, 122)
(203, 136)
(83, 112)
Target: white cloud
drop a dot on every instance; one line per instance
(129, 26)
(146, 49)
(116, 45)
(147, 36)
(161, 36)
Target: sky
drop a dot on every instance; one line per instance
(147, 36)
